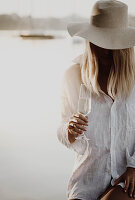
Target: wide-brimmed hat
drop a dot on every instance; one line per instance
(108, 27)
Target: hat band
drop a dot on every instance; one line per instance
(107, 22)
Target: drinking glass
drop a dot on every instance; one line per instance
(84, 106)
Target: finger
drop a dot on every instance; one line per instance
(79, 121)
(71, 123)
(70, 127)
(73, 132)
(77, 130)
(81, 116)
(131, 188)
(126, 184)
(80, 127)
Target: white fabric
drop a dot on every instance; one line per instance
(111, 134)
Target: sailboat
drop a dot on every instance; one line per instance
(33, 32)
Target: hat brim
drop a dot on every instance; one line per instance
(109, 38)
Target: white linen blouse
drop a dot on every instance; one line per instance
(111, 133)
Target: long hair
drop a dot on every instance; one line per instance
(122, 72)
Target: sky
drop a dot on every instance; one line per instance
(53, 8)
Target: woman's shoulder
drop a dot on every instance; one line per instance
(74, 70)
(78, 59)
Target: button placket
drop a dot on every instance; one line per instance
(112, 126)
(108, 168)
(108, 151)
(112, 131)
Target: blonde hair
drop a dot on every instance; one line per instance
(122, 72)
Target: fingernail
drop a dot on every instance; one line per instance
(125, 190)
(74, 120)
(130, 195)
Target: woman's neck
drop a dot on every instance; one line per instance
(104, 69)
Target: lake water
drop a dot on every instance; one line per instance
(34, 165)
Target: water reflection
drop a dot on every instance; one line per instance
(30, 79)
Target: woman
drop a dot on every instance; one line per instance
(107, 69)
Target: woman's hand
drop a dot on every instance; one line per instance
(76, 125)
(129, 179)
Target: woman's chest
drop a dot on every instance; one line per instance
(111, 122)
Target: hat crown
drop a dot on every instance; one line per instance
(109, 14)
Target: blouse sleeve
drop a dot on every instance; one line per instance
(130, 159)
(78, 146)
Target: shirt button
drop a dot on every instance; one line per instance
(107, 150)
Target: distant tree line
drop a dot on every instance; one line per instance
(15, 22)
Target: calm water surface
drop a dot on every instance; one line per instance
(32, 161)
